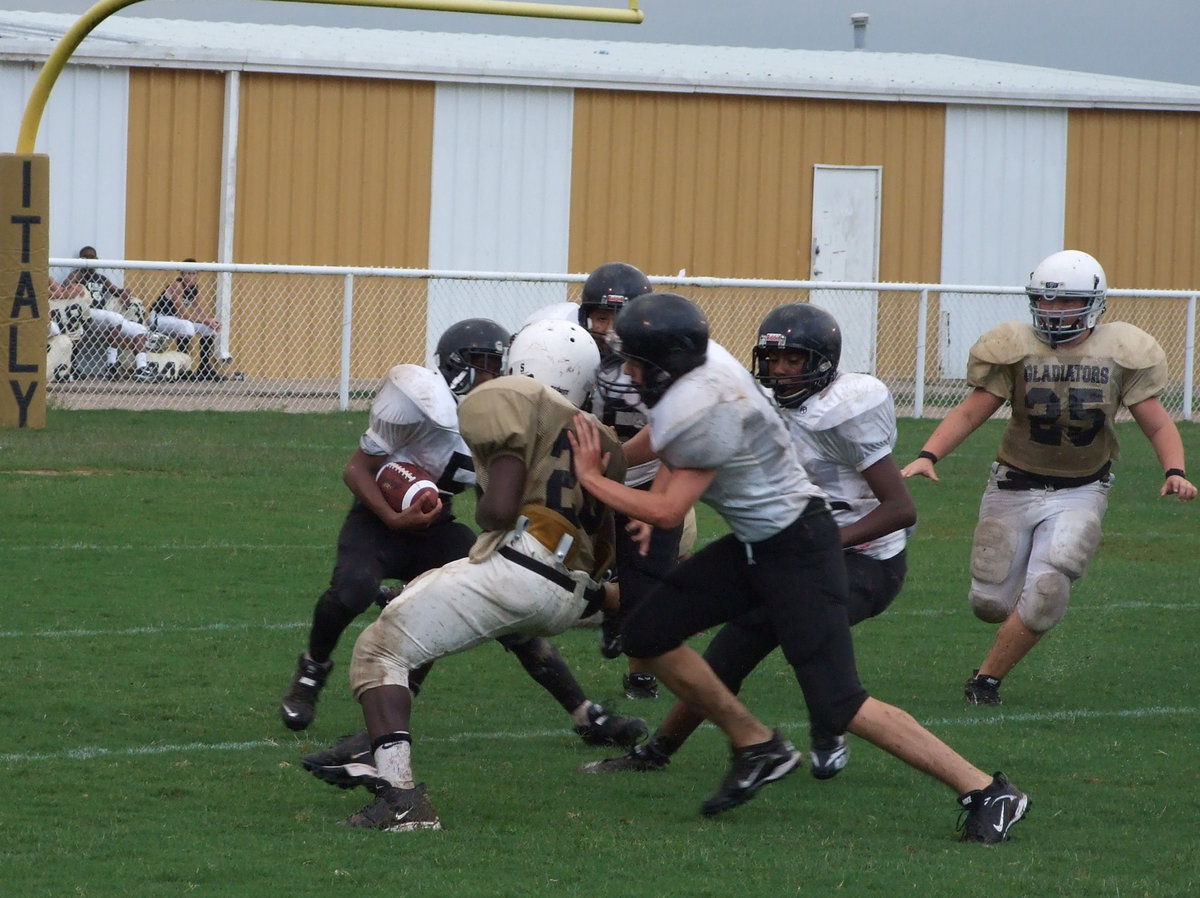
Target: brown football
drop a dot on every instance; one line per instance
(404, 484)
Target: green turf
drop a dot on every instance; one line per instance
(158, 574)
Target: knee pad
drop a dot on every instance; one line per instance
(987, 607)
(373, 663)
(992, 550)
(513, 641)
(353, 592)
(536, 654)
(1074, 542)
(1045, 602)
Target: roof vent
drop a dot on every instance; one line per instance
(859, 21)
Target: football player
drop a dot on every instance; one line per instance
(1066, 375)
(639, 565)
(414, 419)
(533, 570)
(68, 311)
(724, 442)
(844, 428)
(109, 303)
(177, 313)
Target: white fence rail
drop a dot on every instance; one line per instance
(309, 338)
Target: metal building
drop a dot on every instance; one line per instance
(302, 145)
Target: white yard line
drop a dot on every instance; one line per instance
(165, 630)
(967, 719)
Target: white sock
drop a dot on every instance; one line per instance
(112, 355)
(394, 763)
(139, 360)
(579, 716)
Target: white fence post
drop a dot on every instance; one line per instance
(347, 331)
(922, 339)
(1189, 358)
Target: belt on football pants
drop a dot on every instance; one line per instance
(1016, 479)
(550, 529)
(594, 596)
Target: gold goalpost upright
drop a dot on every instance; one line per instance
(25, 193)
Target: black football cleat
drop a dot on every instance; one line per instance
(299, 704)
(991, 812)
(982, 689)
(397, 810)
(348, 764)
(603, 728)
(752, 768)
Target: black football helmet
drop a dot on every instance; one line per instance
(664, 332)
(806, 328)
(474, 344)
(609, 287)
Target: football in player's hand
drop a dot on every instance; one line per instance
(404, 485)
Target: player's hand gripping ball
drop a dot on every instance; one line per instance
(404, 485)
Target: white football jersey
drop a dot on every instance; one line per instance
(414, 419)
(718, 416)
(839, 433)
(70, 315)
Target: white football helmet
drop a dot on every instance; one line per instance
(560, 311)
(559, 354)
(156, 341)
(1067, 274)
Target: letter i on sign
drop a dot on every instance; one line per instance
(24, 262)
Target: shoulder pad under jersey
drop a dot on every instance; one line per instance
(1128, 345)
(850, 395)
(422, 387)
(1006, 343)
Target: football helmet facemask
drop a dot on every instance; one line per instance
(609, 287)
(664, 333)
(1069, 274)
(804, 328)
(559, 354)
(470, 346)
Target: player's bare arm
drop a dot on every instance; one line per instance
(963, 420)
(894, 512)
(659, 509)
(359, 477)
(639, 531)
(1163, 435)
(500, 504)
(637, 448)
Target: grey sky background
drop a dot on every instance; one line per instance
(1155, 39)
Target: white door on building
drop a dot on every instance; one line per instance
(1003, 209)
(845, 247)
(500, 200)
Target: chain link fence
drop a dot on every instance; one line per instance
(320, 339)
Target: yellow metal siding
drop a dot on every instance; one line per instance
(335, 171)
(1133, 201)
(1133, 195)
(722, 185)
(173, 186)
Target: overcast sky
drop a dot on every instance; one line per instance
(1156, 39)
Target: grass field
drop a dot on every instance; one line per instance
(159, 569)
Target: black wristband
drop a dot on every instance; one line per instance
(1175, 472)
(925, 453)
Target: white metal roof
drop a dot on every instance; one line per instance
(856, 74)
